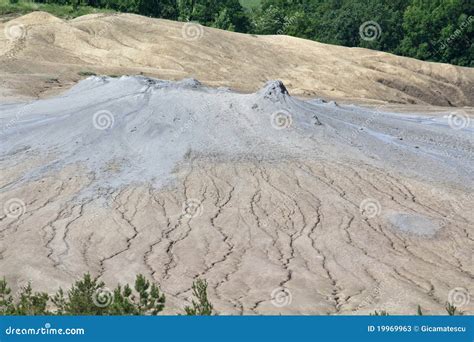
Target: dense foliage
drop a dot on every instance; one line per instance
(433, 30)
(89, 296)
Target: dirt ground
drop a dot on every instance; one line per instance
(284, 206)
(42, 55)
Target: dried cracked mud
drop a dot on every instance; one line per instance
(283, 206)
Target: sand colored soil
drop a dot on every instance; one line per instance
(47, 54)
(282, 205)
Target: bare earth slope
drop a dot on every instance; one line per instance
(43, 52)
(284, 206)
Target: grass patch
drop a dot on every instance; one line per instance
(61, 11)
(250, 4)
(86, 73)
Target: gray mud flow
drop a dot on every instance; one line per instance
(341, 206)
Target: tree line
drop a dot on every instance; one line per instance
(432, 30)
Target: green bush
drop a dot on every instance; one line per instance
(452, 310)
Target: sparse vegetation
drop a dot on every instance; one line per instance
(6, 299)
(90, 296)
(86, 73)
(380, 313)
(201, 306)
(62, 10)
(452, 310)
(31, 303)
(419, 312)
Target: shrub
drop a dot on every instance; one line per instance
(419, 311)
(380, 313)
(201, 306)
(452, 310)
(86, 73)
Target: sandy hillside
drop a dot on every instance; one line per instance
(282, 205)
(40, 53)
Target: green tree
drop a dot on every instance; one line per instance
(89, 296)
(268, 20)
(6, 299)
(201, 306)
(439, 30)
(150, 300)
(86, 297)
(226, 14)
(224, 21)
(419, 311)
(32, 303)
